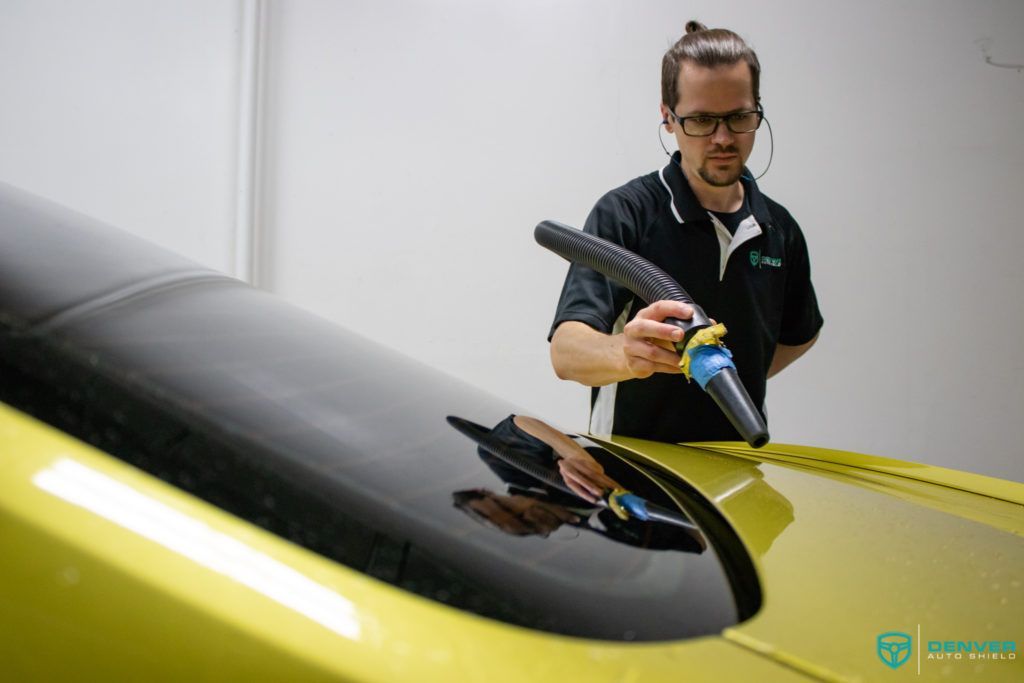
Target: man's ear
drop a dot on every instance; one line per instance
(666, 118)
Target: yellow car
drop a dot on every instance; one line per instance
(201, 482)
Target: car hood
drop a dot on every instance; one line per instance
(849, 547)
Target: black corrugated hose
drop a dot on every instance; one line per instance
(651, 283)
(640, 276)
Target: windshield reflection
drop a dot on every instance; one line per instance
(554, 480)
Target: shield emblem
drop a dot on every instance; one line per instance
(894, 648)
(755, 258)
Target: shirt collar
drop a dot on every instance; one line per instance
(685, 206)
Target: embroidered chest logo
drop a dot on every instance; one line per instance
(759, 261)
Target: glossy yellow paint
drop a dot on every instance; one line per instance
(109, 574)
(846, 552)
(860, 463)
(972, 496)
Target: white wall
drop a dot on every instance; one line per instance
(126, 111)
(410, 148)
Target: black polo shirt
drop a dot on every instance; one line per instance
(756, 281)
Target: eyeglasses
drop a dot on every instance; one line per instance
(703, 125)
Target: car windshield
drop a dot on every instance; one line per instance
(331, 442)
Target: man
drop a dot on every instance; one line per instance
(702, 219)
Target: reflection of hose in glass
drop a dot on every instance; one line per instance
(703, 356)
(624, 504)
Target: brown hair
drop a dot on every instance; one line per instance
(708, 48)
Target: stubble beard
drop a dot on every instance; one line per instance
(720, 178)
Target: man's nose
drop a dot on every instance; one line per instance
(722, 135)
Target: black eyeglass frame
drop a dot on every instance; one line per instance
(719, 119)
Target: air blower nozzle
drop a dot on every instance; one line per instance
(703, 356)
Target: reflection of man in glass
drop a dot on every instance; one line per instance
(584, 475)
(532, 507)
(516, 514)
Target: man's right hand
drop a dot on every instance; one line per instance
(649, 343)
(646, 346)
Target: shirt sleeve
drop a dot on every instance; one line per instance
(801, 317)
(588, 296)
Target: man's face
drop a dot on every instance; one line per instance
(718, 159)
